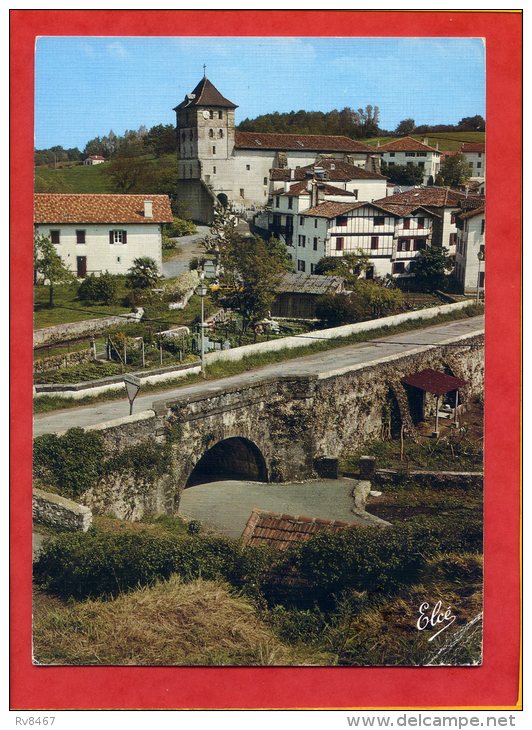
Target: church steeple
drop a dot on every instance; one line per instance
(205, 94)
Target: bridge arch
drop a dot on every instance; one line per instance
(231, 458)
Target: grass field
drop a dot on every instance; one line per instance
(445, 140)
(67, 308)
(79, 179)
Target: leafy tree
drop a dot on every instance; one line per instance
(378, 300)
(251, 268)
(454, 171)
(349, 266)
(161, 139)
(472, 124)
(143, 274)
(403, 174)
(338, 309)
(48, 265)
(430, 268)
(125, 174)
(405, 127)
(103, 288)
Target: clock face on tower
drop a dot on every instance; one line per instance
(205, 114)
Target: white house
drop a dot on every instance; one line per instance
(220, 164)
(475, 155)
(99, 233)
(94, 160)
(470, 250)
(411, 153)
(444, 203)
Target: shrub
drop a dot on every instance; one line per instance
(179, 228)
(143, 274)
(338, 309)
(72, 462)
(103, 288)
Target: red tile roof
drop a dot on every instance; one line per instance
(405, 210)
(283, 531)
(337, 171)
(205, 94)
(88, 208)
(472, 213)
(300, 188)
(298, 142)
(95, 157)
(435, 197)
(473, 147)
(405, 144)
(330, 209)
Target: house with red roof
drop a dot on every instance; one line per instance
(98, 233)
(409, 152)
(475, 155)
(218, 164)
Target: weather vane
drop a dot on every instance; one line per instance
(204, 71)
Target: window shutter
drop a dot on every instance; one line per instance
(111, 239)
(124, 236)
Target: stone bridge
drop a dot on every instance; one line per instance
(275, 429)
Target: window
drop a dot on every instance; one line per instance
(248, 167)
(312, 268)
(398, 267)
(403, 244)
(341, 220)
(392, 154)
(290, 203)
(55, 236)
(481, 276)
(410, 154)
(480, 154)
(315, 222)
(302, 240)
(220, 114)
(214, 149)
(211, 133)
(374, 242)
(117, 236)
(391, 164)
(220, 133)
(419, 244)
(378, 220)
(315, 243)
(471, 165)
(242, 193)
(421, 164)
(421, 223)
(300, 265)
(453, 218)
(265, 181)
(339, 244)
(277, 201)
(421, 154)
(301, 220)
(482, 226)
(211, 114)
(479, 165)
(276, 220)
(452, 239)
(406, 222)
(80, 236)
(410, 164)
(214, 170)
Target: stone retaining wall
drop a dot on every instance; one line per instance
(55, 511)
(71, 330)
(436, 479)
(56, 362)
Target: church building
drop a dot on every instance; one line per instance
(218, 164)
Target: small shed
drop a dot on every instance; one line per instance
(436, 383)
(283, 531)
(297, 293)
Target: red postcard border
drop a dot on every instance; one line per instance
(494, 685)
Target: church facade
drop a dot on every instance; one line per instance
(218, 164)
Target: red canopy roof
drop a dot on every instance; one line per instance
(434, 382)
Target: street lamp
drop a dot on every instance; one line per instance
(201, 291)
(480, 257)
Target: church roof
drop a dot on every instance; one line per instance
(205, 94)
(299, 142)
(337, 171)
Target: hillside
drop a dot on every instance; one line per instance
(445, 140)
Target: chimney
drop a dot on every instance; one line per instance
(292, 174)
(320, 194)
(309, 184)
(437, 145)
(286, 186)
(148, 209)
(426, 141)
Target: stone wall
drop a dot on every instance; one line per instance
(435, 479)
(72, 330)
(56, 362)
(55, 511)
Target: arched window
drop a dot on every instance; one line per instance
(220, 133)
(211, 133)
(190, 135)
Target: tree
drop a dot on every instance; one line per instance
(430, 268)
(349, 266)
(337, 309)
(161, 139)
(405, 127)
(472, 124)
(403, 174)
(143, 274)
(454, 171)
(125, 173)
(49, 266)
(378, 300)
(251, 269)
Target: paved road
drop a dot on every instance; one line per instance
(190, 249)
(226, 506)
(338, 359)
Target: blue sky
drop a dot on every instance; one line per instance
(86, 86)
